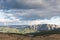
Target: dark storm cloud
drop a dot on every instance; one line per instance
(19, 4)
(34, 14)
(29, 4)
(32, 9)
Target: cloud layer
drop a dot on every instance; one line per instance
(29, 11)
(19, 17)
(30, 4)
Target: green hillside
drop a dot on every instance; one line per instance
(14, 30)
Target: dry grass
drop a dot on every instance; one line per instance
(7, 36)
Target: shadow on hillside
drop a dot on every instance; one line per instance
(44, 33)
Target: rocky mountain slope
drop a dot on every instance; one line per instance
(45, 27)
(22, 29)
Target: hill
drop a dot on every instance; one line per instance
(30, 32)
(23, 29)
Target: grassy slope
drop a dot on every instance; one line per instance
(27, 31)
(7, 33)
(14, 30)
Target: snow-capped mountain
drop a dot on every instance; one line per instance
(41, 27)
(28, 28)
(45, 27)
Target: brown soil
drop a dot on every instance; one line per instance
(7, 36)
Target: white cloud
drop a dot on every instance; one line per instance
(10, 19)
(50, 8)
(7, 18)
(53, 20)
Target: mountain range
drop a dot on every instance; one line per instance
(28, 28)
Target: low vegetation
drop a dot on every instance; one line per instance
(14, 30)
(7, 33)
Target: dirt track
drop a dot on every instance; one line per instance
(4, 36)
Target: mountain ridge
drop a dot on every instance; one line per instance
(28, 28)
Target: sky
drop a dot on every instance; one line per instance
(23, 12)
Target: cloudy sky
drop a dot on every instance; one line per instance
(29, 11)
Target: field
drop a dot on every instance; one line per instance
(7, 36)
